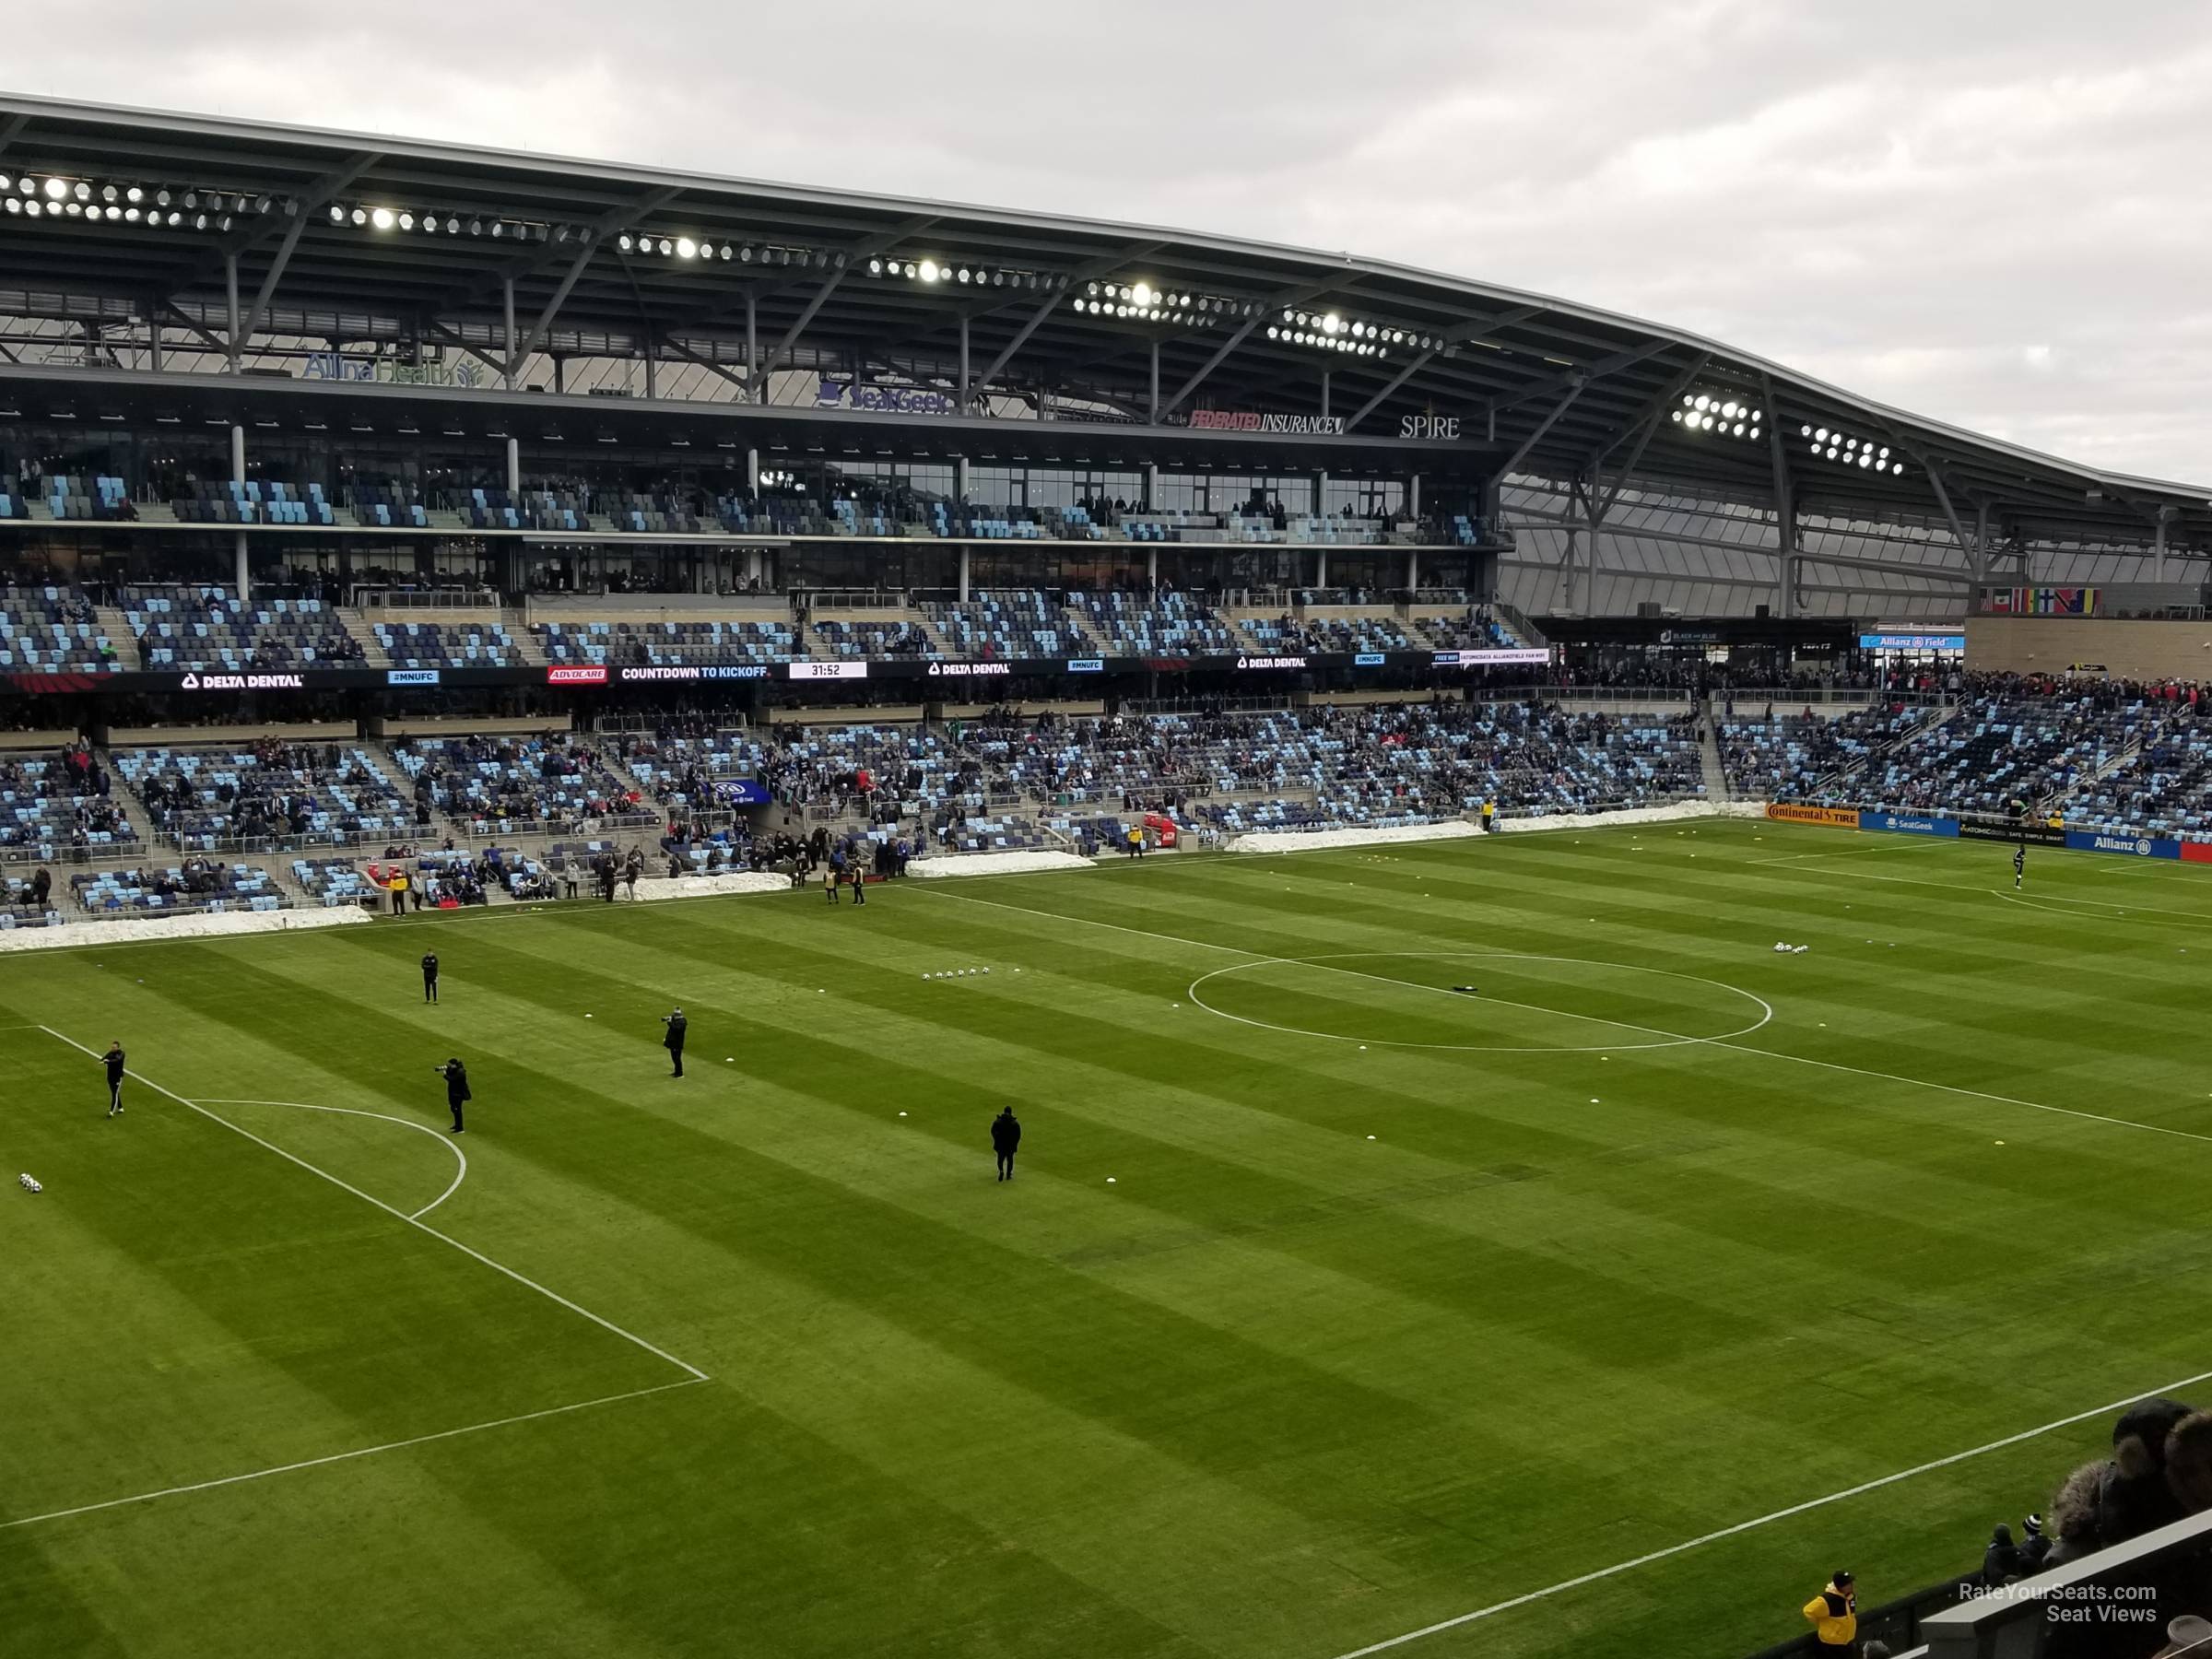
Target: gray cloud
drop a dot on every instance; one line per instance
(1987, 213)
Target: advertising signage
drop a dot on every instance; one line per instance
(576, 677)
(1912, 641)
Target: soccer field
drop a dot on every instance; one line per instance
(1330, 1303)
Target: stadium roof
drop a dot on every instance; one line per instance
(358, 237)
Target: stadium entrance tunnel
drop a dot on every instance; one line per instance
(1480, 1001)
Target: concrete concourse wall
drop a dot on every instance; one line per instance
(2143, 649)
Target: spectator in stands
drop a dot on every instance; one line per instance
(1834, 1614)
(2034, 1546)
(2133, 1497)
(2074, 1516)
(2001, 1561)
(2189, 1462)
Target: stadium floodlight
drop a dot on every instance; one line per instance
(728, 252)
(623, 242)
(929, 271)
(15, 204)
(108, 193)
(380, 217)
(57, 189)
(685, 248)
(360, 214)
(34, 207)
(337, 214)
(84, 191)
(407, 222)
(161, 199)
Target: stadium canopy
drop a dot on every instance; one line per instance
(227, 230)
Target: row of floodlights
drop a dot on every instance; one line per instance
(364, 216)
(1852, 452)
(930, 272)
(1333, 330)
(1723, 417)
(706, 249)
(56, 197)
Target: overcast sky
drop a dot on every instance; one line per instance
(1992, 212)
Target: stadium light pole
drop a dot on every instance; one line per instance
(231, 300)
(1785, 507)
(507, 308)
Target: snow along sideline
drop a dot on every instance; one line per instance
(233, 923)
(137, 929)
(1315, 840)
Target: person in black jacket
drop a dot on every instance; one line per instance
(2034, 1547)
(429, 976)
(1005, 1136)
(456, 1088)
(2001, 1560)
(112, 1059)
(674, 1040)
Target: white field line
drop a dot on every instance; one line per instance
(1739, 1048)
(1780, 1515)
(449, 1142)
(1900, 844)
(607, 1324)
(316, 1463)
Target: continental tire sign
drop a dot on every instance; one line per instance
(1833, 818)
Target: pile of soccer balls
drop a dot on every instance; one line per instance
(30, 1185)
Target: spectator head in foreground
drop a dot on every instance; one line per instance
(2189, 1462)
(2136, 1498)
(2072, 1518)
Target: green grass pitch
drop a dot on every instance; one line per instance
(1329, 1304)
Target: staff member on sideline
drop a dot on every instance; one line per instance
(429, 976)
(1834, 1614)
(113, 1060)
(456, 1088)
(674, 1040)
(1005, 1136)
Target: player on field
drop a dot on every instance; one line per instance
(456, 1088)
(113, 1060)
(673, 1042)
(1006, 1137)
(2019, 866)
(429, 976)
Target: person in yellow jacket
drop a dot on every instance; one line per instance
(1834, 1616)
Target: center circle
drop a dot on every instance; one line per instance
(1342, 970)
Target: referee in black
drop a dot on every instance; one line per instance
(456, 1088)
(674, 1040)
(112, 1059)
(429, 976)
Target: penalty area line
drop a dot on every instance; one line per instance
(1768, 1520)
(606, 1325)
(339, 1457)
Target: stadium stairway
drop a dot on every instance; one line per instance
(356, 622)
(1083, 630)
(117, 628)
(1709, 754)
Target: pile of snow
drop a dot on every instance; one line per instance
(1315, 840)
(1781, 950)
(702, 887)
(994, 864)
(1676, 813)
(137, 930)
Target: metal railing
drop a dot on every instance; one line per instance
(367, 598)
